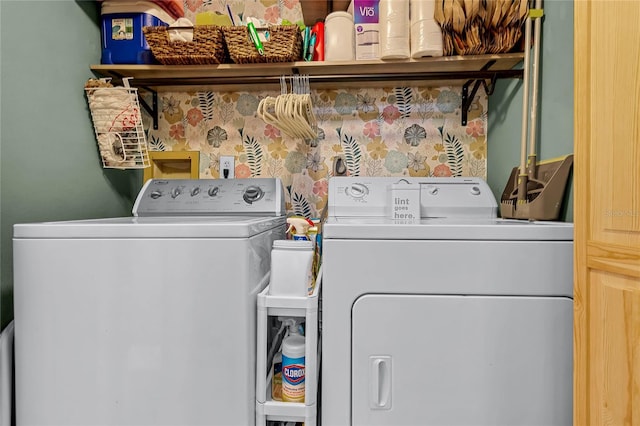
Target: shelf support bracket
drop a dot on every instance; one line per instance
(467, 97)
(153, 109)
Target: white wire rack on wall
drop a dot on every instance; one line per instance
(117, 121)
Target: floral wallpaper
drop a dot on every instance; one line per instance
(401, 131)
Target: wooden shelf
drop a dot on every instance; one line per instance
(371, 73)
(462, 71)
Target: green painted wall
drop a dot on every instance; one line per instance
(555, 116)
(49, 167)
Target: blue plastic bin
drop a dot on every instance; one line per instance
(123, 41)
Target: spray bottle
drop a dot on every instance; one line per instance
(293, 359)
(298, 227)
(312, 233)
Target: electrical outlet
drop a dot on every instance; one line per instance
(227, 166)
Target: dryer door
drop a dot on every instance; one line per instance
(461, 360)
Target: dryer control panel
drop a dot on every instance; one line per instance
(438, 197)
(206, 197)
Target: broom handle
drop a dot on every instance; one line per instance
(534, 95)
(525, 97)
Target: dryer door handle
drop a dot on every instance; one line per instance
(380, 382)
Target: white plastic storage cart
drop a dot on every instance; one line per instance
(288, 306)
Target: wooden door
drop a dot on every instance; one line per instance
(607, 213)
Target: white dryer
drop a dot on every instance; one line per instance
(453, 318)
(146, 320)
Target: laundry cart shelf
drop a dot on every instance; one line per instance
(268, 409)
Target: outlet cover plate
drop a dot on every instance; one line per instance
(227, 162)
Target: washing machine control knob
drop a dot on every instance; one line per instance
(252, 194)
(357, 190)
(195, 191)
(176, 191)
(213, 191)
(475, 190)
(156, 194)
(433, 190)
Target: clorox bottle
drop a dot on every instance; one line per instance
(293, 373)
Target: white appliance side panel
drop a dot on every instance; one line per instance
(352, 268)
(137, 332)
(6, 375)
(462, 360)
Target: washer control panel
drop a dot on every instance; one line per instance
(439, 197)
(204, 197)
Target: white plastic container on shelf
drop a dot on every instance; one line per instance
(291, 267)
(339, 37)
(303, 307)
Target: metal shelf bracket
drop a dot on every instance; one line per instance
(467, 97)
(153, 109)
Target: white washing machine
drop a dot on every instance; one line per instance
(6, 375)
(454, 318)
(146, 320)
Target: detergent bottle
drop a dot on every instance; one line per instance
(276, 377)
(298, 227)
(293, 359)
(291, 268)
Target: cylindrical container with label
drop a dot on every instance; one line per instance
(339, 37)
(426, 34)
(291, 268)
(293, 372)
(394, 31)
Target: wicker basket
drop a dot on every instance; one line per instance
(207, 46)
(494, 27)
(284, 45)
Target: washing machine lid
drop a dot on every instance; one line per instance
(151, 227)
(369, 228)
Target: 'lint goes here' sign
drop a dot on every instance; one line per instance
(405, 202)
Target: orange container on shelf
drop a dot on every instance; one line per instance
(174, 7)
(318, 49)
